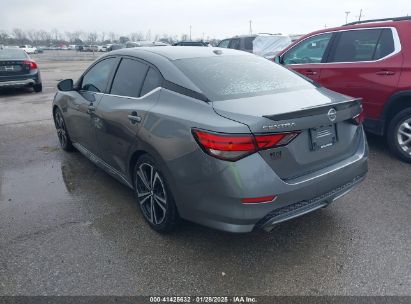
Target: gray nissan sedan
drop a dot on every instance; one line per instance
(219, 137)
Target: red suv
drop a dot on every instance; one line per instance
(368, 59)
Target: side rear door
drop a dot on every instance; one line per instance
(365, 63)
(81, 106)
(121, 112)
(307, 56)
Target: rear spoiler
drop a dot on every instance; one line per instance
(318, 110)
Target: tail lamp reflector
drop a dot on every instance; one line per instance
(259, 200)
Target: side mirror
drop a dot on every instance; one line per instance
(65, 85)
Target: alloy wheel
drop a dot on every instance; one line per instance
(61, 128)
(151, 193)
(404, 136)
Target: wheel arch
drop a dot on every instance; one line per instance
(395, 104)
(148, 150)
(141, 150)
(55, 107)
(133, 160)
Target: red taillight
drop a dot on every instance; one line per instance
(259, 200)
(235, 146)
(32, 65)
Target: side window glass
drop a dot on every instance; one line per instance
(385, 45)
(234, 44)
(248, 43)
(310, 50)
(152, 81)
(129, 78)
(357, 45)
(95, 80)
(224, 43)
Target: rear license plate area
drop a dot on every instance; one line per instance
(10, 68)
(323, 137)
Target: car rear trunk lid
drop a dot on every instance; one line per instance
(324, 120)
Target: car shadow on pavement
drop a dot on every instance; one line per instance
(10, 92)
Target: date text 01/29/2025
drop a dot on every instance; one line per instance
(201, 299)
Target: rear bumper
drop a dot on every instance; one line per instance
(300, 208)
(20, 80)
(17, 83)
(215, 200)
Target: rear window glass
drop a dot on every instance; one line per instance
(14, 54)
(248, 43)
(363, 45)
(234, 44)
(153, 80)
(230, 77)
(385, 45)
(129, 78)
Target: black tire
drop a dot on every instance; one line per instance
(38, 88)
(62, 133)
(395, 139)
(161, 215)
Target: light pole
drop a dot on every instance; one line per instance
(346, 16)
(251, 30)
(190, 32)
(360, 16)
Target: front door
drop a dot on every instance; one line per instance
(81, 109)
(306, 57)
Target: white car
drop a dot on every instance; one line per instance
(29, 49)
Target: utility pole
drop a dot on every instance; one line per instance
(346, 16)
(190, 32)
(360, 16)
(251, 29)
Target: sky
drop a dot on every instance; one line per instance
(208, 18)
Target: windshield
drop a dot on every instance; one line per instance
(13, 54)
(231, 77)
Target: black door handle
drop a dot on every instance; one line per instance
(134, 118)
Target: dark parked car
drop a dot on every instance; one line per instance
(265, 45)
(17, 69)
(114, 47)
(191, 43)
(198, 138)
(368, 59)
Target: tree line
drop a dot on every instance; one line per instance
(18, 36)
